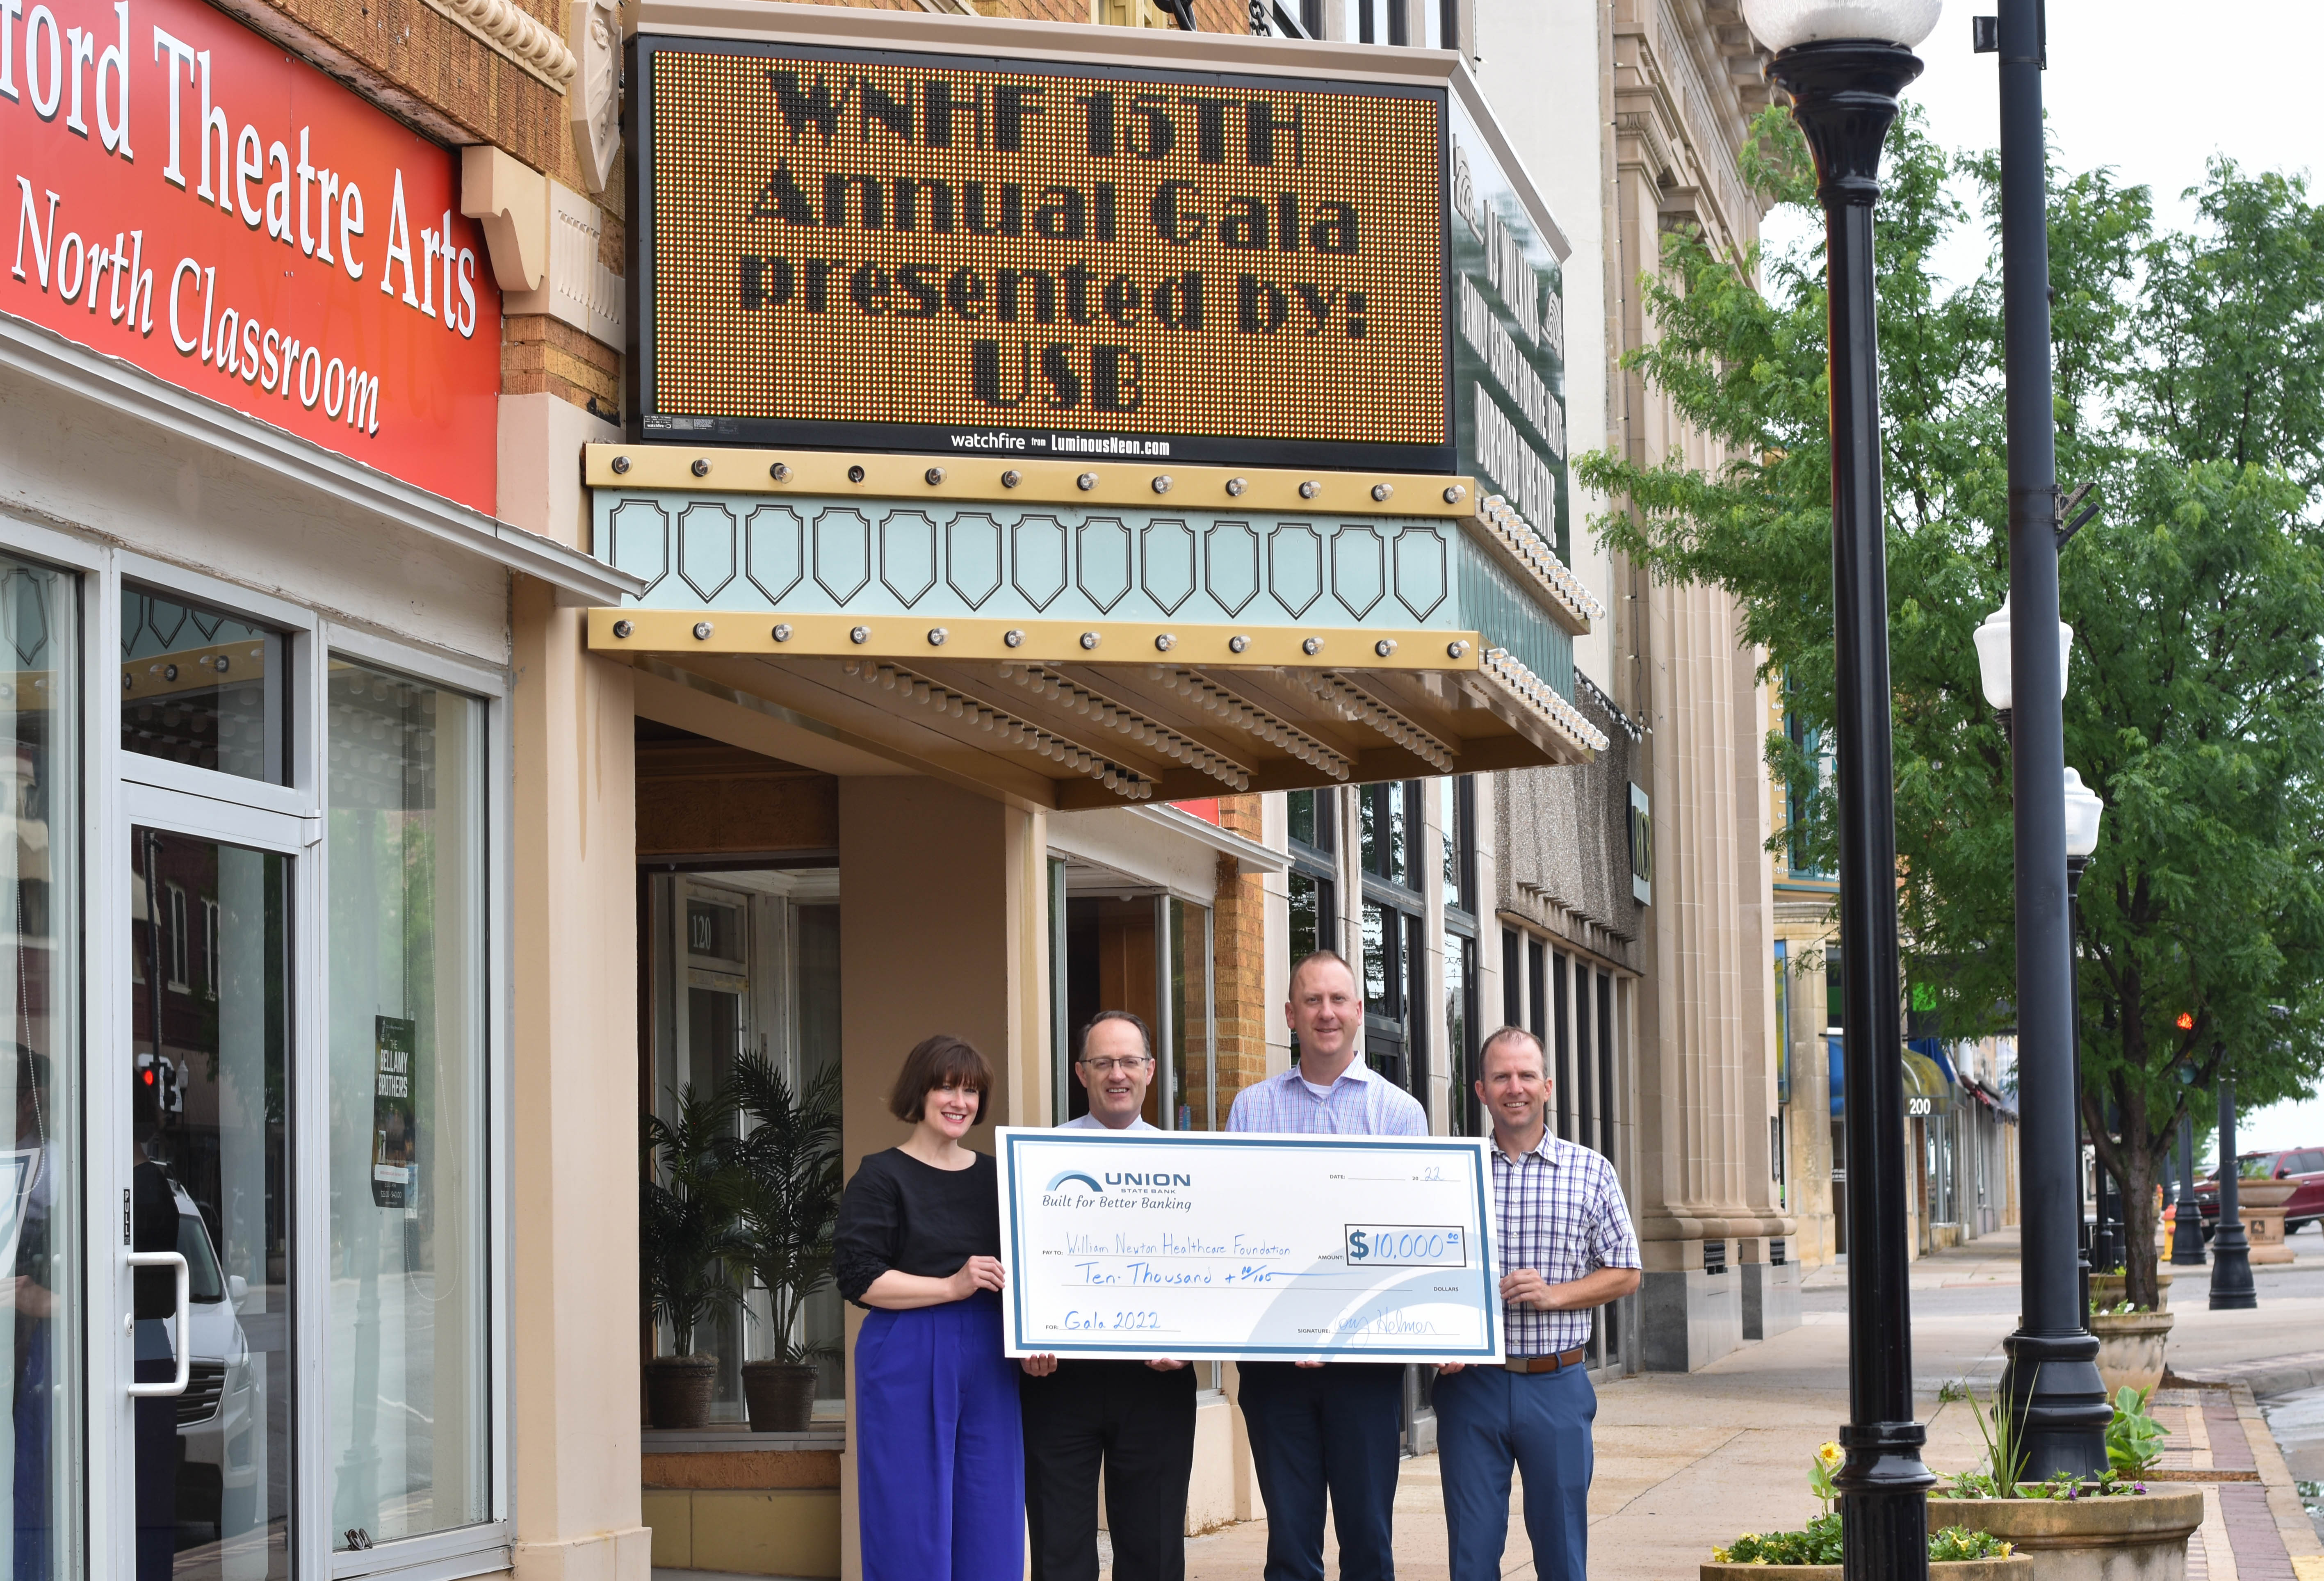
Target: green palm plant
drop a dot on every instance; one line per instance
(686, 1214)
(784, 1187)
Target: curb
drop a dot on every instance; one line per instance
(2291, 1522)
(2275, 1375)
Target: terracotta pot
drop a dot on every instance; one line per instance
(2130, 1347)
(677, 1391)
(782, 1396)
(2016, 1567)
(2137, 1536)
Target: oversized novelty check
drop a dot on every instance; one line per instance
(1247, 1247)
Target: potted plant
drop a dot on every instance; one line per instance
(1813, 1553)
(2112, 1528)
(2111, 1289)
(2131, 1343)
(785, 1185)
(686, 1233)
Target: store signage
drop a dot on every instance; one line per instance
(190, 199)
(394, 1043)
(868, 249)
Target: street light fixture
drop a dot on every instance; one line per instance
(2232, 1289)
(1992, 640)
(2052, 1382)
(1844, 62)
(2083, 810)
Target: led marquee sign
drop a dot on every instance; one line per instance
(915, 252)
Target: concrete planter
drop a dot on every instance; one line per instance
(2016, 1567)
(2130, 1347)
(2261, 1204)
(2137, 1537)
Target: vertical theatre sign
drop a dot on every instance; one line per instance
(192, 200)
(920, 252)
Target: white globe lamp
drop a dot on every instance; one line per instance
(1784, 24)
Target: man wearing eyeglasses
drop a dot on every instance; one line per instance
(1135, 1421)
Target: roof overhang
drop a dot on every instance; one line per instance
(1075, 636)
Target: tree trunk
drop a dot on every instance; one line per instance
(2138, 1220)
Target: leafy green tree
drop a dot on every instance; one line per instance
(2190, 394)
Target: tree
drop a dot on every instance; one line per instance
(2190, 394)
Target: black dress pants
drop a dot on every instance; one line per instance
(1139, 1424)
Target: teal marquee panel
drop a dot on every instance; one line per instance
(808, 556)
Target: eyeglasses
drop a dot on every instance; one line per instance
(1135, 1062)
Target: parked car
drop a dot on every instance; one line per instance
(217, 1481)
(2302, 1164)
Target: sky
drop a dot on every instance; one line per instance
(2138, 85)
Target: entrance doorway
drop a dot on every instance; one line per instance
(210, 1071)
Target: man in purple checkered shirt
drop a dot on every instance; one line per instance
(1564, 1234)
(1317, 1430)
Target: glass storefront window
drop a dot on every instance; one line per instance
(201, 686)
(39, 1065)
(1459, 972)
(409, 1382)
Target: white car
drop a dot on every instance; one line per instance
(223, 1399)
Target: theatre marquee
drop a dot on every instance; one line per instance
(1040, 259)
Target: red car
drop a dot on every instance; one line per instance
(2302, 1164)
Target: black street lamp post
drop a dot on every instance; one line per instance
(1844, 63)
(2074, 868)
(2052, 1380)
(2231, 1275)
(2187, 1222)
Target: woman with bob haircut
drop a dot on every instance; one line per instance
(942, 1483)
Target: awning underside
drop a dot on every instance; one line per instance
(1046, 712)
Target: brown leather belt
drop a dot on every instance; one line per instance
(1571, 1358)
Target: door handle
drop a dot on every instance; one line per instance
(185, 1347)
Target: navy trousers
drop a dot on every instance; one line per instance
(1336, 1429)
(1488, 1419)
(940, 1484)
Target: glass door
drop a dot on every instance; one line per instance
(207, 1198)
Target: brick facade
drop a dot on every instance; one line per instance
(1239, 941)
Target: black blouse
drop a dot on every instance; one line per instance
(900, 1213)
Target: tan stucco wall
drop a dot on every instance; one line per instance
(574, 1322)
(942, 929)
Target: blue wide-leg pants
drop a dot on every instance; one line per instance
(1488, 1419)
(941, 1480)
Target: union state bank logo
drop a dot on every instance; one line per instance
(1076, 1175)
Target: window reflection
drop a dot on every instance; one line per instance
(40, 1067)
(201, 686)
(409, 1375)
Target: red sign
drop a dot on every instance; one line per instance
(190, 199)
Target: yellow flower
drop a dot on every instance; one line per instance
(2007, 1549)
(1831, 1455)
(1718, 1555)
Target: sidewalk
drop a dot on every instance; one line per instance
(1687, 1463)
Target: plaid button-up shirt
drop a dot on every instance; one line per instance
(1560, 1212)
(1360, 1103)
